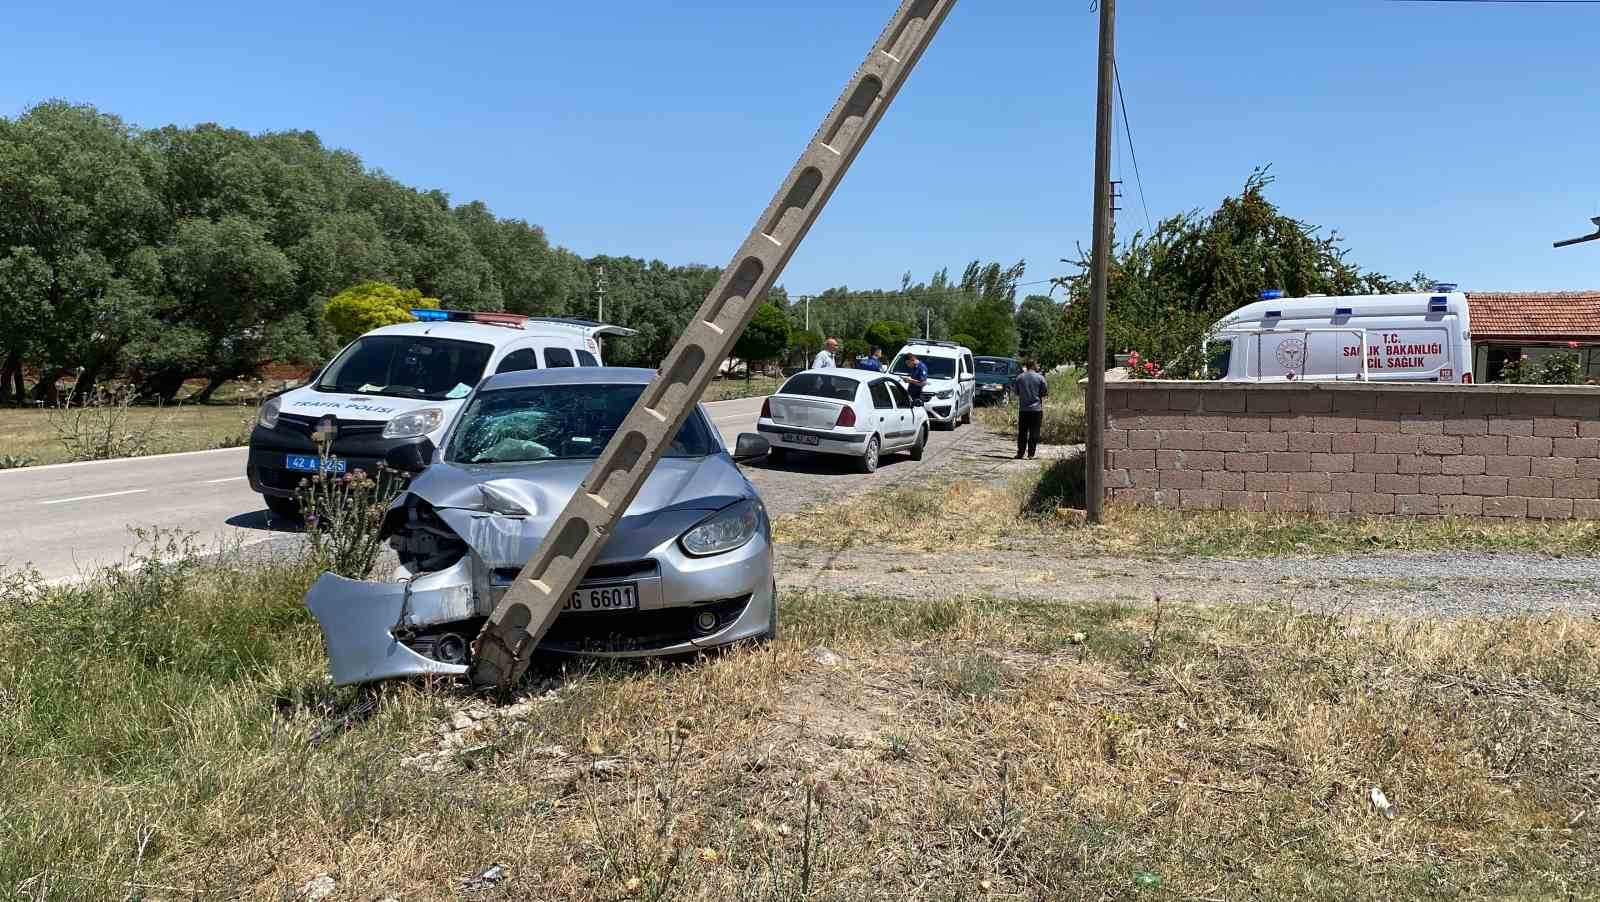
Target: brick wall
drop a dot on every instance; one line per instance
(1475, 450)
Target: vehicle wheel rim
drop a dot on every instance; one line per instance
(872, 453)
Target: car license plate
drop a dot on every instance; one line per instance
(801, 439)
(311, 463)
(615, 597)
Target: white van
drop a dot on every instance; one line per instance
(1414, 337)
(952, 380)
(398, 385)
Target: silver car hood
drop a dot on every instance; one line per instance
(481, 503)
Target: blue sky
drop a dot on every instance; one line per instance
(1454, 138)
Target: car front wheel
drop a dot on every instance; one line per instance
(869, 461)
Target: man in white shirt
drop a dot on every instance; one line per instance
(824, 358)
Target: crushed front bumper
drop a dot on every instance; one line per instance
(370, 627)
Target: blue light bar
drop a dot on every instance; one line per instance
(425, 315)
(1444, 286)
(1344, 311)
(1272, 294)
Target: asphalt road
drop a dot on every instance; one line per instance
(66, 520)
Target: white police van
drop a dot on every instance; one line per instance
(952, 380)
(393, 387)
(1412, 337)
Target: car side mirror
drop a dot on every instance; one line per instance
(410, 458)
(749, 446)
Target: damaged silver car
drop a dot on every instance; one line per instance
(689, 567)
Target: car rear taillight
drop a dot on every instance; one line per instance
(847, 416)
(766, 408)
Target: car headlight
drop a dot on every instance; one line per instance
(415, 423)
(724, 530)
(945, 394)
(267, 418)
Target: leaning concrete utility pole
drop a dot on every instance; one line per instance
(523, 616)
(1099, 263)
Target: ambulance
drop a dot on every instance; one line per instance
(393, 392)
(1414, 337)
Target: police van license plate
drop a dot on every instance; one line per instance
(615, 597)
(311, 463)
(800, 439)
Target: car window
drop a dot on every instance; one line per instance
(1218, 353)
(554, 357)
(518, 360)
(585, 358)
(557, 422)
(901, 399)
(995, 366)
(407, 366)
(880, 395)
(966, 364)
(822, 385)
(938, 367)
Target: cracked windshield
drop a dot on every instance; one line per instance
(556, 422)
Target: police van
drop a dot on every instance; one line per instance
(1413, 337)
(392, 388)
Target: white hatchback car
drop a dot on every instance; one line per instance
(858, 413)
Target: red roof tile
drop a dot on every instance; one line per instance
(1535, 315)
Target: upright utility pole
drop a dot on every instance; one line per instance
(600, 295)
(927, 324)
(1095, 404)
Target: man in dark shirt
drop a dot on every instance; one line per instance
(1031, 389)
(916, 377)
(873, 361)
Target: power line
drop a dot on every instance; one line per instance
(1133, 154)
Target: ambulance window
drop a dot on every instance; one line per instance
(554, 357)
(585, 358)
(521, 359)
(1218, 353)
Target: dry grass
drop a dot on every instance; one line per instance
(1063, 412)
(1041, 509)
(730, 389)
(170, 735)
(26, 433)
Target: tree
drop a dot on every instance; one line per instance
(1036, 322)
(852, 350)
(891, 335)
(805, 343)
(765, 337)
(235, 285)
(361, 308)
(1167, 290)
(970, 342)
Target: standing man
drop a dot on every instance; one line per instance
(916, 375)
(873, 361)
(1031, 391)
(824, 358)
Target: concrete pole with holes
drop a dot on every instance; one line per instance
(523, 616)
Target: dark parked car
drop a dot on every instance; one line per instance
(995, 375)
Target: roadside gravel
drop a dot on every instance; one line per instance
(1439, 585)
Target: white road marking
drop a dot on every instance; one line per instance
(225, 479)
(93, 497)
(118, 460)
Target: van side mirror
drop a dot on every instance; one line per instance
(749, 446)
(412, 457)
